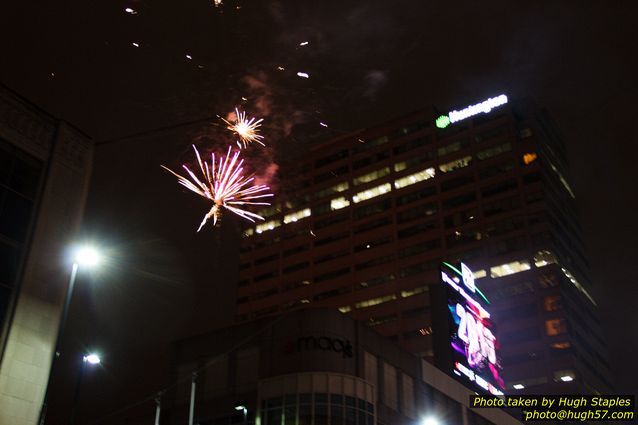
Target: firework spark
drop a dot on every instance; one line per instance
(225, 185)
(246, 129)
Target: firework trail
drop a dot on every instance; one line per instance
(225, 185)
(246, 129)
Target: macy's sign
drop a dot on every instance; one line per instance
(322, 343)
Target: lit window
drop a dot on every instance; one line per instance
(414, 178)
(456, 164)
(426, 331)
(526, 132)
(338, 203)
(375, 301)
(339, 187)
(371, 193)
(494, 151)
(269, 225)
(366, 178)
(530, 157)
(480, 274)
(400, 166)
(561, 345)
(453, 147)
(555, 327)
(297, 215)
(509, 268)
(411, 292)
(345, 309)
(543, 258)
(270, 211)
(564, 375)
(552, 303)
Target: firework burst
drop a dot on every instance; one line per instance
(225, 185)
(246, 129)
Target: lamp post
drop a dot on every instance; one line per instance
(84, 256)
(91, 359)
(243, 408)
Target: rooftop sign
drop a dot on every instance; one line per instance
(482, 107)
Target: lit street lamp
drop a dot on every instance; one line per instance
(429, 421)
(86, 257)
(91, 359)
(242, 408)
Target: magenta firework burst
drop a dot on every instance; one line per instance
(224, 183)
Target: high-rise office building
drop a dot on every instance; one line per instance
(45, 166)
(365, 220)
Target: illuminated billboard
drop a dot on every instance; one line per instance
(469, 111)
(467, 343)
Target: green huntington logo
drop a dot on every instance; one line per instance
(442, 121)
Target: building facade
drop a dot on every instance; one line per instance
(311, 367)
(44, 172)
(365, 220)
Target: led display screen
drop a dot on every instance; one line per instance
(471, 337)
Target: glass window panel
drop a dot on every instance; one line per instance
(305, 414)
(290, 399)
(366, 178)
(321, 414)
(336, 414)
(296, 216)
(362, 417)
(371, 193)
(338, 203)
(274, 402)
(543, 258)
(15, 213)
(351, 416)
(25, 176)
(509, 268)
(290, 415)
(269, 225)
(456, 164)
(273, 417)
(555, 327)
(336, 399)
(350, 401)
(420, 176)
(9, 256)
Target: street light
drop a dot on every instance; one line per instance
(85, 256)
(91, 359)
(242, 408)
(429, 421)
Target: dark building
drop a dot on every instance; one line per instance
(314, 366)
(365, 220)
(45, 165)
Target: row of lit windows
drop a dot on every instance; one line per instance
(427, 156)
(541, 259)
(343, 202)
(412, 144)
(558, 376)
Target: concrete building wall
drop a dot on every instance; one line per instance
(30, 328)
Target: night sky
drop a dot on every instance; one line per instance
(367, 62)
